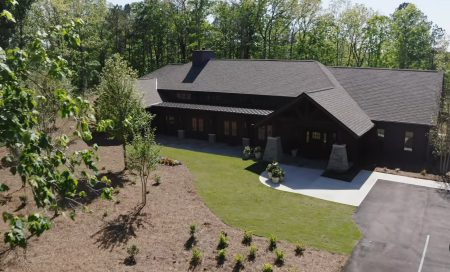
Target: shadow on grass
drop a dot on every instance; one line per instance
(118, 231)
(258, 167)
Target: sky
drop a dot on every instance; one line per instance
(438, 11)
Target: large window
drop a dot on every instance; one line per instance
(234, 128)
(380, 133)
(170, 120)
(184, 96)
(316, 135)
(226, 128)
(409, 139)
(194, 124)
(200, 124)
(262, 133)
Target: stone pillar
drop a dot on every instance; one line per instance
(181, 134)
(245, 142)
(212, 138)
(338, 159)
(273, 149)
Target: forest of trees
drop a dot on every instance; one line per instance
(153, 33)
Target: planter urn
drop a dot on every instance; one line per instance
(294, 152)
(270, 175)
(258, 155)
(246, 155)
(275, 179)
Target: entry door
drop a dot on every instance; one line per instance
(319, 143)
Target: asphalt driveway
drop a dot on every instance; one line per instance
(405, 228)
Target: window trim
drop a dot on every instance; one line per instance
(234, 128)
(381, 133)
(410, 140)
(200, 127)
(316, 133)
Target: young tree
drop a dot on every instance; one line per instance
(120, 101)
(143, 157)
(44, 164)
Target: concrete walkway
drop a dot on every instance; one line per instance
(309, 182)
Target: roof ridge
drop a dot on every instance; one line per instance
(388, 69)
(281, 60)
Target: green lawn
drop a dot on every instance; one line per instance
(239, 199)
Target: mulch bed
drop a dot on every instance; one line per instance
(95, 242)
(408, 174)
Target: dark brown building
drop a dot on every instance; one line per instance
(374, 111)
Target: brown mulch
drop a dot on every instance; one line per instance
(94, 242)
(408, 174)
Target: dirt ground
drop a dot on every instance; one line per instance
(95, 242)
(408, 174)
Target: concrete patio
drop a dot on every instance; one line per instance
(309, 182)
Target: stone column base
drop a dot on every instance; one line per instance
(273, 149)
(181, 134)
(338, 159)
(245, 142)
(212, 138)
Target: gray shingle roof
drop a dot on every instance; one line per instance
(149, 92)
(391, 95)
(259, 77)
(213, 108)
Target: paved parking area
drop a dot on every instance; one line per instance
(405, 228)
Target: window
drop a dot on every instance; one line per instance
(184, 96)
(194, 124)
(262, 133)
(188, 96)
(226, 128)
(324, 138)
(179, 95)
(307, 136)
(200, 124)
(409, 139)
(316, 135)
(269, 131)
(233, 128)
(380, 133)
(170, 120)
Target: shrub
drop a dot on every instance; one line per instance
(272, 241)
(105, 213)
(299, 249)
(397, 170)
(192, 228)
(157, 178)
(267, 267)
(247, 238)
(132, 251)
(196, 255)
(247, 150)
(271, 166)
(221, 254)
(252, 251)
(276, 172)
(423, 172)
(223, 240)
(258, 149)
(169, 161)
(280, 256)
(23, 199)
(239, 259)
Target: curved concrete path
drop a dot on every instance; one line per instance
(309, 182)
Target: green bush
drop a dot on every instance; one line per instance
(280, 256)
(299, 249)
(196, 255)
(221, 254)
(247, 238)
(272, 241)
(105, 213)
(239, 259)
(252, 251)
(223, 240)
(23, 199)
(132, 251)
(192, 228)
(267, 267)
(157, 178)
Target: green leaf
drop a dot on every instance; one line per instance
(95, 146)
(8, 16)
(82, 193)
(84, 208)
(3, 187)
(72, 215)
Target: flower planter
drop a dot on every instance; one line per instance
(258, 155)
(275, 179)
(270, 175)
(294, 152)
(281, 179)
(247, 156)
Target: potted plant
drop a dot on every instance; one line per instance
(294, 152)
(276, 174)
(270, 168)
(282, 175)
(258, 152)
(247, 152)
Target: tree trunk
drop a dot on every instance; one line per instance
(124, 148)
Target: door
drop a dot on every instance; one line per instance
(319, 143)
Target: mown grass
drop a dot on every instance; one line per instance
(239, 199)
